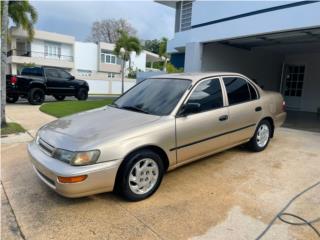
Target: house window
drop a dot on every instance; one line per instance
(111, 75)
(52, 50)
(108, 58)
(85, 73)
(185, 15)
(294, 81)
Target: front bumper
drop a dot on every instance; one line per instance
(100, 176)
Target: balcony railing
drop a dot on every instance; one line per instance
(14, 52)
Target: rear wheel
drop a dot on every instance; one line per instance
(82, 94)
(59, 97)
(261, 138)
(140, 175)
(12, 98)
(36, 96)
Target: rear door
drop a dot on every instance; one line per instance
(200, 134)
(244, 108)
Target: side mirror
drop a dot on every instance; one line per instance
(189, 108)
(71, 78)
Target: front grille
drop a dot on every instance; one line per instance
(45, 147)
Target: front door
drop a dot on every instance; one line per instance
(292, 85)
(199, 134)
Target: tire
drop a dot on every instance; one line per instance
(135, 188)
(12, 98)
(261, 137)
(59, 97)
(36, 96)
(82, 94)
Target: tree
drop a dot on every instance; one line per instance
(128, 44)
(4, 29)
(152, 45)
(108, 30)
(23, 15)
(163, 47)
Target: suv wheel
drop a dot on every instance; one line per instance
(59, 97)
(36, 96)
(82, 94)
(12, 98)
(261, 138)
(140, 176)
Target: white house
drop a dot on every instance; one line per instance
(94, 62)
(276, 43)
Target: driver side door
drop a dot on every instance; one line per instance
(200, 134)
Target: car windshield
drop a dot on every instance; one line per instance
(153, 96)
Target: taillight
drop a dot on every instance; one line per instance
(283, 106)
(13, 80)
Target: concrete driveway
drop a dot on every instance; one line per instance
(231, 195)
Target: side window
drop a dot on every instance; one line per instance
(208, 94)
(237, 90)
(52, 73)
(64, 74)
(253, 92)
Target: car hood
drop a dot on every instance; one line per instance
(78, 130)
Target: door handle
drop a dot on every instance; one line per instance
(258, 109)
(223, 117)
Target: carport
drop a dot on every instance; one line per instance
(288, 62)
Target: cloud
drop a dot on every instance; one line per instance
(152, 20)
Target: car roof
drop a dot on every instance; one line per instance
(195, 76)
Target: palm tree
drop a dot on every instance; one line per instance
(125, 45)
(23, 15)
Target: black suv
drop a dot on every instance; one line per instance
(36, 82)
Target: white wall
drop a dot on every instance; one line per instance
(310, 99)
(86, 56)
(108, 86)
(138, 61)
(305, 16)
(265, 67)
(37, 47)
(205, 11)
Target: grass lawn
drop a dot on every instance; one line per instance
(64, 108)
(12, 128)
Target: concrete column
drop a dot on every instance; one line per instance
(193, 57)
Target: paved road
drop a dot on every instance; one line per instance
(231, 195)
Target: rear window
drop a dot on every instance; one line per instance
(237, 90)
(35, 71)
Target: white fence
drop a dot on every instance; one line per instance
(108, 86)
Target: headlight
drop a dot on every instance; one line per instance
(77, 158)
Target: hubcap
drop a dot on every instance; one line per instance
(263, 135)
(143, 176)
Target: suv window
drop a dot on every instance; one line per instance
(208, 94)
(63, 74)
(237, 90)
(52, 73)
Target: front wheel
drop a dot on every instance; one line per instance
(140, 175)
(261, 138)
(82, 94)
(12, 98)
(59, 97)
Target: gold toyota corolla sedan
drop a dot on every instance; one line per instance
(158, 125)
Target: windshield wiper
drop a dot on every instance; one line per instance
(134, 108)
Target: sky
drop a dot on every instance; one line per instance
(151, 20)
